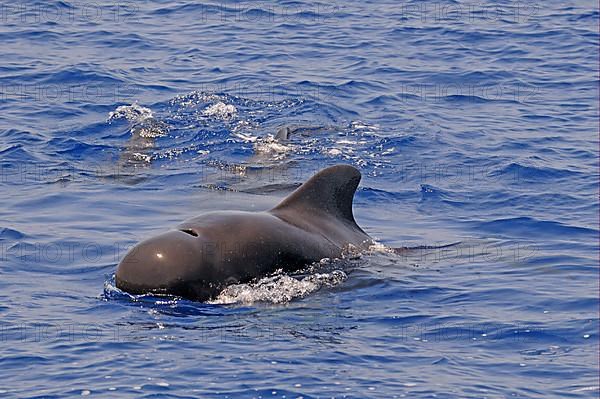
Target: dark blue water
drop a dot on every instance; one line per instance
(471, 122)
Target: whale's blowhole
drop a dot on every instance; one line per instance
(190, 232)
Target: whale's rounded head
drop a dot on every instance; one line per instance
(171, 263)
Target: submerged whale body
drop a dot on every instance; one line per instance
(204, 254)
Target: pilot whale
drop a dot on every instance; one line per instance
(203, 255)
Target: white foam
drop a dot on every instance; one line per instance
(133, 113)
(138, 156)
(142, 118)
(153, 130)
(220, 110)
(246, 137)
(280, 288)
(269, 145)
(379, 247)
(195, 98)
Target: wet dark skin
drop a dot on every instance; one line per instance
(203, 255)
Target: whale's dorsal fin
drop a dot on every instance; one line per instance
(283, 133)
(330, 191)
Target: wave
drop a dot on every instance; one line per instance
(528, 227)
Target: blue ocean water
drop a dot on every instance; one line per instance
(472, 122)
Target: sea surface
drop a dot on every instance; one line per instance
(472, 123)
